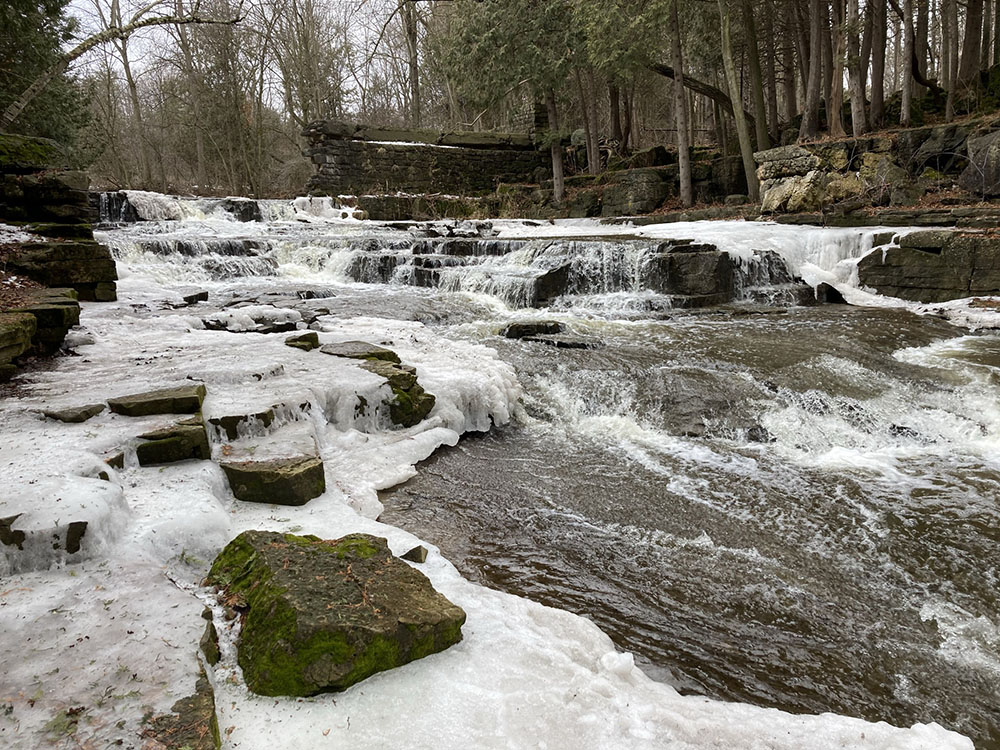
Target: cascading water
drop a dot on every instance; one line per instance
(787, 505)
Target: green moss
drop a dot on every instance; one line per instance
(20, 153)
(355, 545)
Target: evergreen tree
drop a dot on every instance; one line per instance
(31, 35)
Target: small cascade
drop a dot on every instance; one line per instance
(764, 278)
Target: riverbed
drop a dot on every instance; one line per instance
(765, 504)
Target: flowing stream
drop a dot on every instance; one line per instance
(788, 505)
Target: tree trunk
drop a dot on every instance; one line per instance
(680, 109)
(879, 37)
(614, 102)
(969, 66)
(920, 49)
(984, 62)
(756, 77)
(866, 41)
(627, 120)
(839, 42)
(996, 34)
(907, 82)
(771, 79)
(788, 79)
(409, 11)
(952, 62)
(594, 136)
(826, 72)
(855, 77)
(742, 130)
(810, 117)
(558, 178)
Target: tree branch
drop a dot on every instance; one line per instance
(700, 87)
(62, 64)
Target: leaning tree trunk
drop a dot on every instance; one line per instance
(742, 130)
(555, 148)
(810, 117)
(680, 109)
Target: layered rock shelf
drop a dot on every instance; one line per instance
(41, 196)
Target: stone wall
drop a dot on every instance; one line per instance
(355, 160)
(40, 196)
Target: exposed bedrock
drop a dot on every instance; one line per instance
(935, 266)
(38, 194)
(322, 615)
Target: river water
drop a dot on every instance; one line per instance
(790, 506)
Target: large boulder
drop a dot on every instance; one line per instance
(320, 615)
(785, 161)
(982, 175)
(794, 194)
(281, 481)
(636, 191)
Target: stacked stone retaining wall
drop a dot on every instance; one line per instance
(355, 160)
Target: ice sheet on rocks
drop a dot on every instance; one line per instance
(10, 235)
(525, 675)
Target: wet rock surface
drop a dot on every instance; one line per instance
(322, 615)
(280, 481)
(182, 400)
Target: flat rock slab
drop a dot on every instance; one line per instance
(183, 441)
(56, 520)
(321, 616)
(281, 481)
(305, 341)
(75, 414)
(183, 400)
(360, 350)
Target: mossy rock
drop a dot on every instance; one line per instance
(16, 332)
(183, 400)
(320, 616)
(22, 154)
(281, 481)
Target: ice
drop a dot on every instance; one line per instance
(102, 642)
(10, 235)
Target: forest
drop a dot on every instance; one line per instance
(210, 96)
